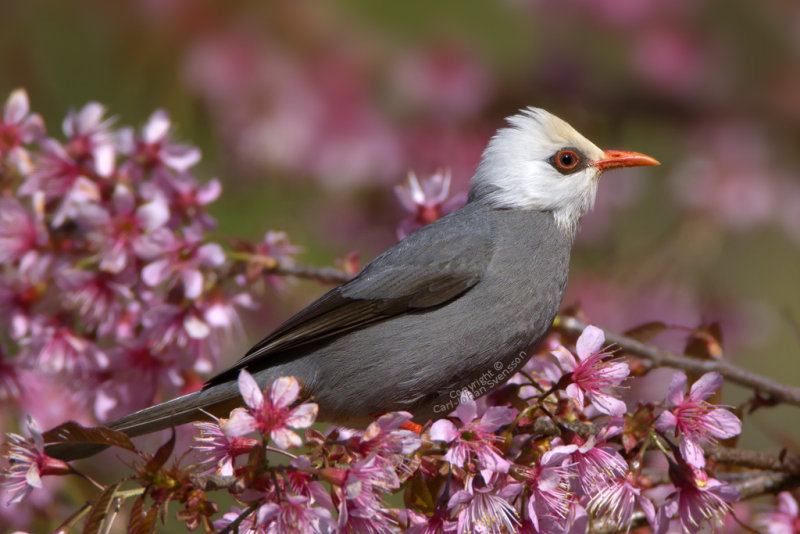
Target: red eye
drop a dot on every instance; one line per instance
(566, 160)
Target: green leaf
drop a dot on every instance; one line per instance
(99, 511)
(418, 496)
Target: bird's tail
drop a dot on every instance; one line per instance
(216, 400)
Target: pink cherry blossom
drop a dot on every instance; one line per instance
(783, 519)
(90, 137)
(118, 229)
(182, 257)
(426, 200)
(438, 523)
(616, 500)
(98, 297)
(20, 231)
(696, 499)
(387, 442)
(595, 461)
(548, 484)
(475, 439)
(54, 347)
(152, 147)
(271, 415)
(247, 526)
(694, 420)
(188, 200)
(219, 450)
(28, 463)
(361, 508)
(483, 510)
(18, 127)
(593, 372)
(294, 514)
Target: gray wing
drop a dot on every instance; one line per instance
(418, 273)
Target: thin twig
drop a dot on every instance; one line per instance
(755, 459)
(662, 358)
(329, 275)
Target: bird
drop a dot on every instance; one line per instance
(469, 294)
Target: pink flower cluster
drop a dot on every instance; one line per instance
(112, 293)
(501, 476)
(485, 469)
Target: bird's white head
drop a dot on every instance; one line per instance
(540, 162)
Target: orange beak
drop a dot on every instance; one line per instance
(614, 159)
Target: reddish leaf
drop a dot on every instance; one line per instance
(99, 511)
(72, 432)
(647, 331)
(142, 522)
(161, 456)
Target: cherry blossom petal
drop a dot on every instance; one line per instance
(705, 386)
(250, 390)
(240, 422)
(787, 504)
(565, 359)
(285, 438)
(195, 327)
(590, 342)
(211, 255)
(153, 215)
(157, 127)
(192, 281)
(466, 410)
(726, 492)
(303, 416)
(156, 272)
(724, 424)
(692, 452)
(576, 394)
(444, 430)
(181, 158)
(284, 391)
(666, 421)
(676, 387)
(17, 107)
(209, 192)
(608, 404)
(104, 158)
(616, 371)
(496, 417)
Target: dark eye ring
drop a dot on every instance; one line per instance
(566, 160)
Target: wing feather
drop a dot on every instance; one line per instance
(399, 281)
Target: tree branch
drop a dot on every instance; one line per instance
(662, 358)
(330, 275)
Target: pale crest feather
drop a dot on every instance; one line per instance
(514, 171)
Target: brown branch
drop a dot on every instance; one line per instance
(329, 275)
(662, 358)
(755, 459)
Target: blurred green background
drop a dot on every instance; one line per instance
(310, 113)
